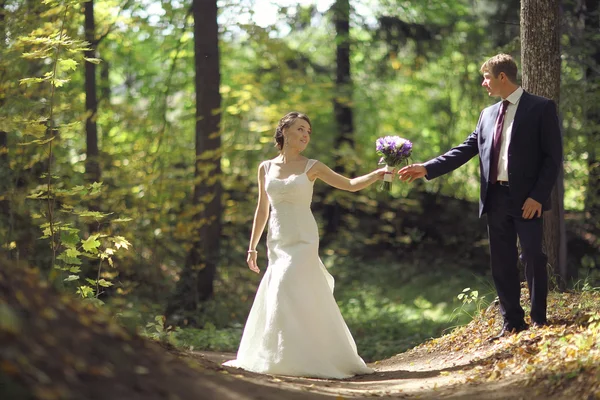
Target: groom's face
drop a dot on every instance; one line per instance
(491, 84)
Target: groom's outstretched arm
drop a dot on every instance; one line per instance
(455, 157)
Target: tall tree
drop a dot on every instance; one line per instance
(540, 63)
(5, 175)
(196, 282)
(92, 166)
(342, 101)
(3, 134)
(105, 82)
(592, 26)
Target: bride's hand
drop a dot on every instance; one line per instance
(251, 260)
(382, 171)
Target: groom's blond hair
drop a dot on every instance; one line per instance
(501, 63)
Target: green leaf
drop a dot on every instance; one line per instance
(37, 195)
(47, 232)
(91, 244)
(72, 252)
(95, 188)
(69, 239)
(92, 60)
(74, 270)
(85, 291)
(37, 141)
(122, 220)
(92, 214)
(67, 64)
(69, 259)
(104, 283)
(59, 82)
(91, 281)
(72, 278)
(79, 189)
(28, 81)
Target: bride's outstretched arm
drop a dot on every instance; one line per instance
(260, 220)
(332, 178)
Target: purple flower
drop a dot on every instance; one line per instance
(393, 149)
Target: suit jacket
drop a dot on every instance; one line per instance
(534, 153)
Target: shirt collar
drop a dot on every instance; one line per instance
(515, 96)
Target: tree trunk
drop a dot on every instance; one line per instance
(196, 282)
(92, 166)
(5, 173)
(592, 201)
(540, 61)
(341, 103)
(105, 83)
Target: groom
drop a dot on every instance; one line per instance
(519, 144)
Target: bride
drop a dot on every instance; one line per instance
(295, 326)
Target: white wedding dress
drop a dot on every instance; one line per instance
(295, 326)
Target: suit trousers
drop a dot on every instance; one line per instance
(503, 229)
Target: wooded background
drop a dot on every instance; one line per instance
(131, 132)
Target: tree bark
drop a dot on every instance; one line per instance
(540, 59)
(92, 166)
(196, 282)
(592, 201)
(5, 172)
(105, 83)
(341, 102)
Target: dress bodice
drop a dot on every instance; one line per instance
(295, 190)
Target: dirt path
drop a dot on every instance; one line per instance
(414, 374)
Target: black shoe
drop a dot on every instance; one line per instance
(508, 330)
(539, 324)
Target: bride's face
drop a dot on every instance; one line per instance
(297, 135)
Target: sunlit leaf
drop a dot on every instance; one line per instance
(92, 214)
(85, 291)
(95, 188)
(91, 244)
(122, 220)
(28, 81)
(72, 278)
(120, 241)
(67, 64)
(104, 283)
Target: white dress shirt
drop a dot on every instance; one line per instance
(509, 118)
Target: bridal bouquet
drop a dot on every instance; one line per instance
(394, 151)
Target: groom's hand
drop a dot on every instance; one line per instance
(412, 172)
(531, 209)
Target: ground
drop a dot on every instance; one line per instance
(417, 373)
(56, 348)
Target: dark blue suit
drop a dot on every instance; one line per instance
(534, 157)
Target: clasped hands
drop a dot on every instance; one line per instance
(531, 208)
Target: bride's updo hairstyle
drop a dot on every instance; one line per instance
(285, 122)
